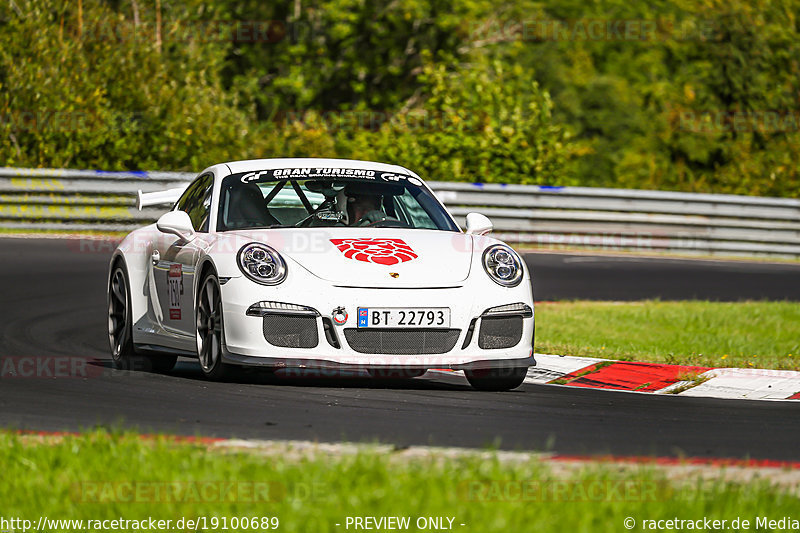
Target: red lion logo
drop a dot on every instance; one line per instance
(380, 251)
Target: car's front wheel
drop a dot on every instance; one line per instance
(208, 316)
(496, 379)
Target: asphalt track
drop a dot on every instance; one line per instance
(584, 276)
(52, 310)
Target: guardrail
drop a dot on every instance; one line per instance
(551, 217)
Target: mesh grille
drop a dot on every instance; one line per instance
(500, 332)
(401, 341)
(291, 331)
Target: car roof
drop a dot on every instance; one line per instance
(307, 162)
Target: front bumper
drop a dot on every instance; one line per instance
(277, 363)
(245, 342)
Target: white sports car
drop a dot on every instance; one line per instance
(319, 263)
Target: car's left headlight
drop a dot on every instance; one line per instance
(503, 265)
(262, 264)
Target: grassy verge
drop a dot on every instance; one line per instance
(97, 476)
(746, 334)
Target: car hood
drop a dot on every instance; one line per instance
(373, 257)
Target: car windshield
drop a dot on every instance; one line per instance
(327, 197)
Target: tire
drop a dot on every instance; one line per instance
(496, 379)
(120, 321)
(391, 373)
(209, 330)
(120, 329)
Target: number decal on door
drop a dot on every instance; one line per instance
(175, 290)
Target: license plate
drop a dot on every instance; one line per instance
(403, 317)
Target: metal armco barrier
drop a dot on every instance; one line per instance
(552, 217)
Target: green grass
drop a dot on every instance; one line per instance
(312, 492)
(745, 334)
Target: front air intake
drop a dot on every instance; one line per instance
(291, 331)
(500, 332)
(401, 341)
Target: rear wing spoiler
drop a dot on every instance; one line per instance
(168, 197)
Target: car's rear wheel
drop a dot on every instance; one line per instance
(496, 379)
(210, 329)
(120, 329)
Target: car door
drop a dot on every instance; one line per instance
(173, 262)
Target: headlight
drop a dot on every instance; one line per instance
(503, 265)
(262, 264)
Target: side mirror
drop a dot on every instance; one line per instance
(478, 224)
(177, 223)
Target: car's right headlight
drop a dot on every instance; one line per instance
(261, 264)
(503, 265)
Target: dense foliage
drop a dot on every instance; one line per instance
(701, 96)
